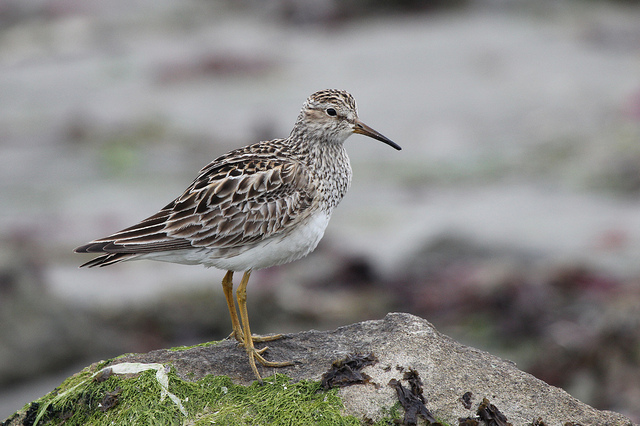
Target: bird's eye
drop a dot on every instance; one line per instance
(332, 112)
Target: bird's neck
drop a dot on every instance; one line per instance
(326, 159)
(331, 165)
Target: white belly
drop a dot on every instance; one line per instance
(301, 241)
(276, 250)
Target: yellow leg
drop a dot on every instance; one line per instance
(241, 295)
(227, 287)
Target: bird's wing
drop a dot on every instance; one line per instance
(233, 202)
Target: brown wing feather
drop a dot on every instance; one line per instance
(238, 199)
(231, 211)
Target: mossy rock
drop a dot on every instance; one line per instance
(418, 375)
(153, 394)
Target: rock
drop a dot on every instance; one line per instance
(401, 358)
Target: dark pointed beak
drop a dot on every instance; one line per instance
(363, 129)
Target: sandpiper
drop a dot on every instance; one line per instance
(262, 205)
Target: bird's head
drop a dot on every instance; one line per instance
(332, 116)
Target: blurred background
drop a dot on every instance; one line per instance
(511, 219)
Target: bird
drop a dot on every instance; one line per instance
(258, 206)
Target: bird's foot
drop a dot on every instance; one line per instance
(275, 364)
(270, 338)
(256, 354)
(237, 334)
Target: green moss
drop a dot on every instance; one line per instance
(277, 401)
(199, 345)
(102, 399)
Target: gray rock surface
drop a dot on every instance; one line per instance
(400, 342)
